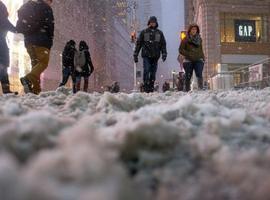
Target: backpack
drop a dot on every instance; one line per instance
(28, 18)
(79, 60)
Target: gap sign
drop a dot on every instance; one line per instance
(245, 30)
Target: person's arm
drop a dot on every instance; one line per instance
(6, 25)
(163, 46)
(182, 48)
(49, 21)
(139, 44)
(64, 59)
(90, 63)
(202, 51)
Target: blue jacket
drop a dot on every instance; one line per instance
(5, 26)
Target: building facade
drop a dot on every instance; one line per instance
(235, 33)
(104, 26)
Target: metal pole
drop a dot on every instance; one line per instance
(173, 81)
(135, 77)
(134, 21)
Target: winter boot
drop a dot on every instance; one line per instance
(36, 87)
(85, 86)
(187, 85)
(27, 85)
(78, 86)
(74, 88)
(6, 89)
(200, 83)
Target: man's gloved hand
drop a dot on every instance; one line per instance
(164, 57)
(136, 60)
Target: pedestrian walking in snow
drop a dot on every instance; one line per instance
(5, 26)
(115, 88)
(83, 66)
(36, 23)
(192, 49)
(181, 76)
(68, 68)
(166, 87)
(153, 44)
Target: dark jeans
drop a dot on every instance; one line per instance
(78, 83)
(3, 75)
(189, 68)
(66, 73)
(149, 74)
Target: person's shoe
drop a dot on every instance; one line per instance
(27, 85)
(200, 83)
(6, 89)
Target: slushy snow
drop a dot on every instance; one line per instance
(201, 145)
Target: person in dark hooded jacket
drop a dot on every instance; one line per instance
(153, 44)
(83, 66)
(68, 64)
(5, 26)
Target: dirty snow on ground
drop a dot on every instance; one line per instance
(177, 146)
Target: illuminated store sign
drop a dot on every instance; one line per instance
(245, 30)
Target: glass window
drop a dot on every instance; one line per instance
(243, 27)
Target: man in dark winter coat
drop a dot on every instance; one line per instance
(5, 26)
(38, 40)
(153, 44)
(68, 64)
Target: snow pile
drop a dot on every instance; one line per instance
(201, 145)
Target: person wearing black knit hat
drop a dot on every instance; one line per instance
(153, 44)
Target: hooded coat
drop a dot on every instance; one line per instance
(44, 35)
(152, 42)
(5, 26)
(68, 55)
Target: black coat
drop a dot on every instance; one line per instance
(88, 68)
(152, 42)
(44, 36)
(5, 26)
(68, 57)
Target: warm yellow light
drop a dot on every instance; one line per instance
(183, 35)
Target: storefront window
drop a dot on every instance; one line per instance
(243, 27)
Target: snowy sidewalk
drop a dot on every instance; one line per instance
(204, 145)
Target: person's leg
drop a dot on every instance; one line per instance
(73, 83)
(153, 71)
(65, 76)
(32, 54)
(4, 79)
(146, 72)
(188, 74)
(198, 67)
(78, 83)
(86, 83)
(40, 57)
(27, 84)
(181, 82)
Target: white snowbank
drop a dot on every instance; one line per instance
(201, 145)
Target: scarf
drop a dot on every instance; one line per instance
(196, 40)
